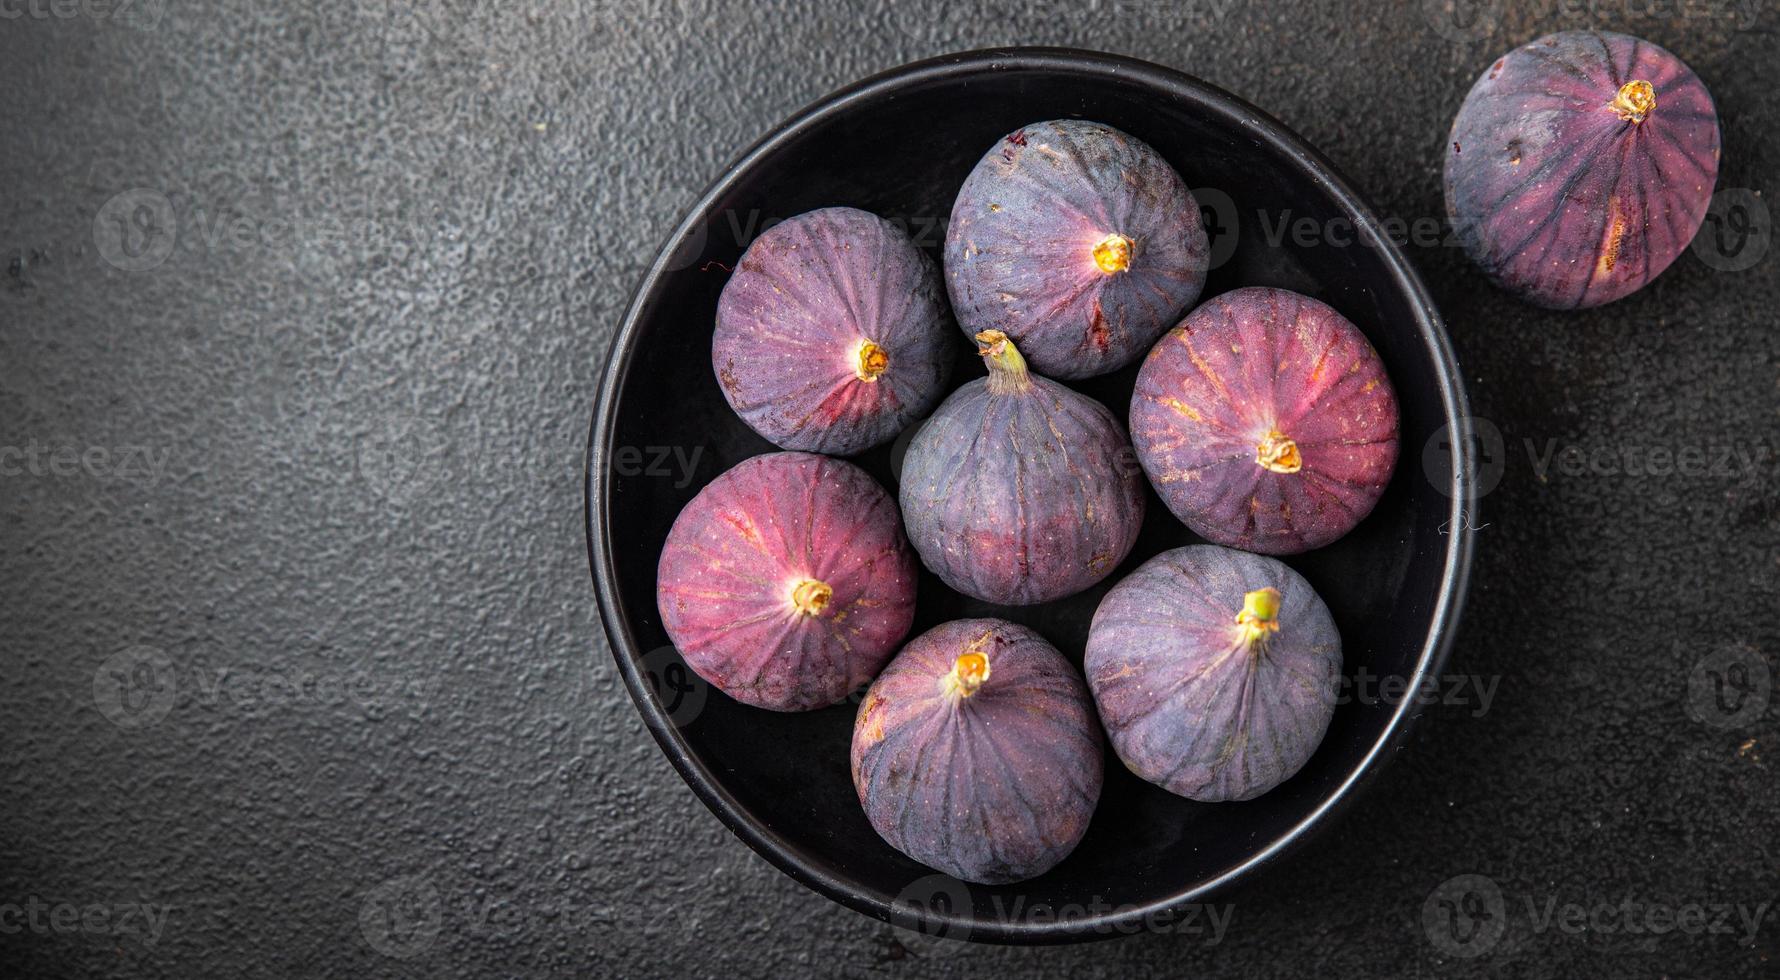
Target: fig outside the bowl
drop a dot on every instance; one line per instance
(1580, 166)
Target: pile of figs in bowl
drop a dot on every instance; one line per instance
(990, 520)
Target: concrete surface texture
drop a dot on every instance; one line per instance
(302, 314)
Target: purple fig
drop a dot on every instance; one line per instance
(787, 582)
(976, 752)
(1215, 671)
(1019, 490)
(832, 335)
(1580, 166)
(1266, 422)
(1079, 242)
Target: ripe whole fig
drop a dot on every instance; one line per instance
(1215, 671)
(976, 752)
(1580, 166)
(1265, 421)
(1019, 490)
(832, 334)
(1078, 241)
(787, 582)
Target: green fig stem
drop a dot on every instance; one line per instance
(1260, 615)
(1007, 369)
(1635, 100)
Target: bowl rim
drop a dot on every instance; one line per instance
(1271, 135)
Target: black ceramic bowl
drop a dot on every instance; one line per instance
(899, 145)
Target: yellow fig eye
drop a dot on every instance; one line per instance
(872, 361)
(1279, 453)
(1113, 253)
(810, 597)
(1635, 100)
(972, 669)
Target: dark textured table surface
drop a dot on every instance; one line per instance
(302, 317)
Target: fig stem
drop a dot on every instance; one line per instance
(873, 361)
(1113, 253)
(1279, 453)
(1260, 614)
(1635, 100)
(968, 674)
(1007, 369)
(810, 597)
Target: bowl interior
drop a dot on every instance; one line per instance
(900, 146)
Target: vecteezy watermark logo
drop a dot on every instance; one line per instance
(1365, 231)
(1729, 688)
(1119, 460)
(680, 692)
(1746, 461)
(393, 458)
(921, 19)
(743, 227)
(401, 918)
(1737, 14)
(136, 229)
(141, 13)
(1217, 211)
(135, 464)
(1749, 461)
(1736, 231)
(941, 905)
(1463, 21)
(687, 250)
(404, 917)
(135, 687)
(140, 921)
(658, 462)
(899, 451)
(1475, 692)
(935, 901)
(1465, 916)
(140, 228)
(1481, 469)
